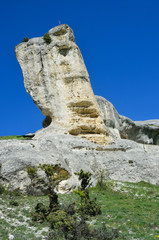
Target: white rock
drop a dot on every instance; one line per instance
(56, 78)
(125, 160)
(10, 236)
(140, 131)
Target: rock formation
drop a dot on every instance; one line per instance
(56, 78)
(124, 160)
(146, 132)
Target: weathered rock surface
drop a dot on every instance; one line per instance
(108, 112)
(140, 131)
(56, 78)
(123, 160)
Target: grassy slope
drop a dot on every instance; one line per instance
(18, 137)
(131, 208)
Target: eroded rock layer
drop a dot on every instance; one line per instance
(56, 78)
(146, 132)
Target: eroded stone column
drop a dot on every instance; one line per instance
(56, 78)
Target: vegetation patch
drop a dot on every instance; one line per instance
(47, 38)
(127, 209)
(18, 137)
(32, 172)
(25, 39)
(88, 206)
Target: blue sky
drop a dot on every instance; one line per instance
(119, 41)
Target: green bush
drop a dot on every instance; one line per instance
(2, 189)
(68, 222)
(47, 38)
(69, 209)
(25, 39)
(79, 230)
(40, 213)
(88, 206)
(85, 178)
(14, 203)
(102, 178)
(60, 219)
(32, 172)
(54, 174)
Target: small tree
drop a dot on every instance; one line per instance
(88, 206)
(85, 178)
(102, 178)
(55, 175)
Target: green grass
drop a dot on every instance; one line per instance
(18, 137)
(130, 208)
(134, 214)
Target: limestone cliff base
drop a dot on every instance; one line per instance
(123, 160)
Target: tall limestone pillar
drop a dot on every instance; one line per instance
(56, 78)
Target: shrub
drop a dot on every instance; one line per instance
(65, 221)
(25, 39)
(80, 230)
(71, 230)
(14, 203)
(32, 172)
(40, 207)
(47, 38)
(54, 174)
(104, 234)
(41, 212)
(48, 169)
(85, 178)
(60, 219)
(88, 206)
(69, 209)
(102, 177)
(2, 189)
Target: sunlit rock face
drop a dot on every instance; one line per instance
(146, 132)
(56, 78)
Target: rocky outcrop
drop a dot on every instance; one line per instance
(56, 78)
(123, 160)
(140, 131)
(146, 132)
(108, 112)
